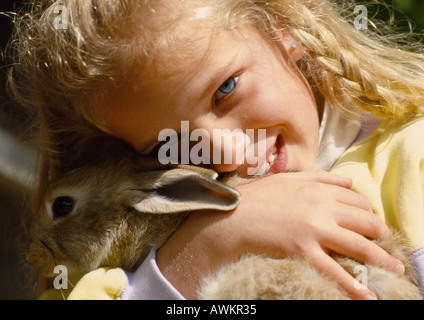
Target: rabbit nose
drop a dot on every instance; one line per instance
(62, 207)
(41, 257)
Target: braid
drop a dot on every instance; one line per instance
(352, 69)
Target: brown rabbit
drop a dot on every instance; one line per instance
(112, 213)
(261, 278)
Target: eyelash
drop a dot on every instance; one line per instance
(232, 81)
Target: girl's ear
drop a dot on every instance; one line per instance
(293, 48)
(181, 190)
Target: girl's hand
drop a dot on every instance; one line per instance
(307, 214)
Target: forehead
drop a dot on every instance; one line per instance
(179, 33)
(188, 72)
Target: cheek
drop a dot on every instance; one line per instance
(304, 130)
(119, 120)
(263, 104)
(303, 144)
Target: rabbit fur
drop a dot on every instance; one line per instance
(262, 278)
(120, 209)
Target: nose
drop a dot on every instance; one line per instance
(231, 142)
(228, 149)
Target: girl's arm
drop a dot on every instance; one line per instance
(307, 213)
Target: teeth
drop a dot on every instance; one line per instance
(264, 169)
(271, 158)
(270, 161)
(267, 165)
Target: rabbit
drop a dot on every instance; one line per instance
(256, 277)
(112, 213)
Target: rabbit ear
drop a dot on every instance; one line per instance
(182, 190)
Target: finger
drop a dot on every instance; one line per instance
(327, 266)
(355, 246)
(322, 177)
(364, 223)
(352, 198)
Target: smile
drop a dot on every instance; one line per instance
(277, 160)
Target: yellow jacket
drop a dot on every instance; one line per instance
(388, 168)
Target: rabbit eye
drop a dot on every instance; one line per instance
(62, 206)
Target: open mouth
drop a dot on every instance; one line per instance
(277, 159)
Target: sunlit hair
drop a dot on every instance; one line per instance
(66, 74)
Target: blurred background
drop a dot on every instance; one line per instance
(404, 16)
(16, 176)
(414, 9)
(17, 154)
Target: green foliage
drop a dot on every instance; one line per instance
(414, 9)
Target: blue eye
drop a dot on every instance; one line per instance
(226, 88)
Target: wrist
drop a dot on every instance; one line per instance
(196, 250)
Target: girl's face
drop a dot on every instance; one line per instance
(244, 82)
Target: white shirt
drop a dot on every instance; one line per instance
(148, 283)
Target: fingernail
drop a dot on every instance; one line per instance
(371, 297)
(400, 269)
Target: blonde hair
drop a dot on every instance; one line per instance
(67, 73)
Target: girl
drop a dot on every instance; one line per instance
(296, 68)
